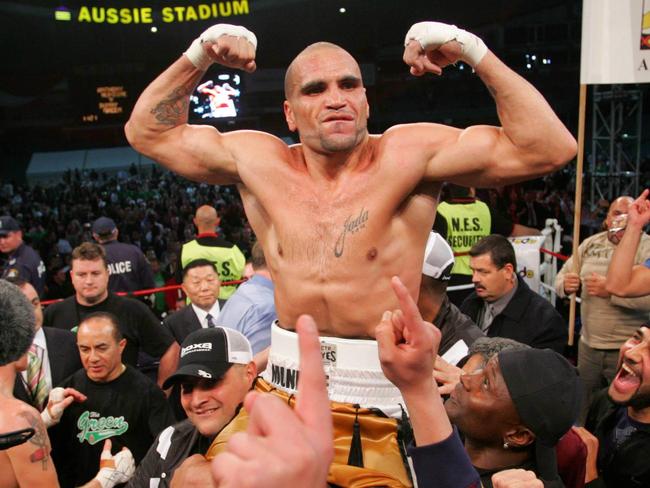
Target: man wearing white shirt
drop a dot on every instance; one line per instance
(201, 285)
(44, 370)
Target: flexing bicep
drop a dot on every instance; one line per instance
(197, 152)
(482, 156)
(31, 462)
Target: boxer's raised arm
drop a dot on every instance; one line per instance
(158, 126)
(532, 140)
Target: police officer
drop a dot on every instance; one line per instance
(20, 260)
(463, 220)
(129, 269)
(229, 259)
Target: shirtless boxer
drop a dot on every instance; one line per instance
(343, 211)
(340, 213)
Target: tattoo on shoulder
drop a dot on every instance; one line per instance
(351, 225)
(173, 108)
(39, 439)
(492, 90)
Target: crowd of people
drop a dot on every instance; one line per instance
(341, 361)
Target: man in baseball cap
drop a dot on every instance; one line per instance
(215, 372)
(129, 268)
(458, 330)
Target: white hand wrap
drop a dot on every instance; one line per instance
(56, 396)
(197, 55)
(123, 471)
(432, 35)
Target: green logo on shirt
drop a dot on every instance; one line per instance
(93, 428)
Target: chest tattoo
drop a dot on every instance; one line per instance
(351, 225)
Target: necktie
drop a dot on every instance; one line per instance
(36, 380)
(209, 320)
(488, 316)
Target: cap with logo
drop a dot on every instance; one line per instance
(8, 224)
(209, 353)
(103, 225)
(438, 258)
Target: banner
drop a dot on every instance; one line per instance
(615, 42)
(527, 255)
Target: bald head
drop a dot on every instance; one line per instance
(618, 208)
(206, 219)
(305, 54)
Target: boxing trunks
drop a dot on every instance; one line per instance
(371, 429)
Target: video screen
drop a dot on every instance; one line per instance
(216, 98)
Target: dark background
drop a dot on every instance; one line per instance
(50, 69)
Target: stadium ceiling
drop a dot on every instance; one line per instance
(59, 53)
(39, 46)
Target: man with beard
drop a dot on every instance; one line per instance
(607, 320)
(619, 417)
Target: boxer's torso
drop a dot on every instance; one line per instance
(332, 244)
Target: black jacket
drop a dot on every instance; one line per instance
(184, 321)
(628, 465)
(528, 318)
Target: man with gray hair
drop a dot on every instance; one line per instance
(30, 464)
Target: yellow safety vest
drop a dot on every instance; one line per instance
(467, 223)
(230, 262)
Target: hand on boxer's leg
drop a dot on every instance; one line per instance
(430, 46)
(229, 45)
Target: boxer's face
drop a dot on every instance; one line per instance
(327, 102)
(631, 386)
(211, 404)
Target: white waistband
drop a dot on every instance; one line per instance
(351, 365)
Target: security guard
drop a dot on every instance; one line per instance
(20, 260)
(129, 269)
(229, 259)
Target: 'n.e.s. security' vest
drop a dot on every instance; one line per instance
(467, 223)
(230, 262)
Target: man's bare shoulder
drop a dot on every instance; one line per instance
(16, 415)
(419, 133)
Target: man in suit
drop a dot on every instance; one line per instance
(502, 305)
(52, 357)
(201, 285)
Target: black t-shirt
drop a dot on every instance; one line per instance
(139, 326)
(130, 410)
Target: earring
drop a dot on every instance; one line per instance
(506, 445)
